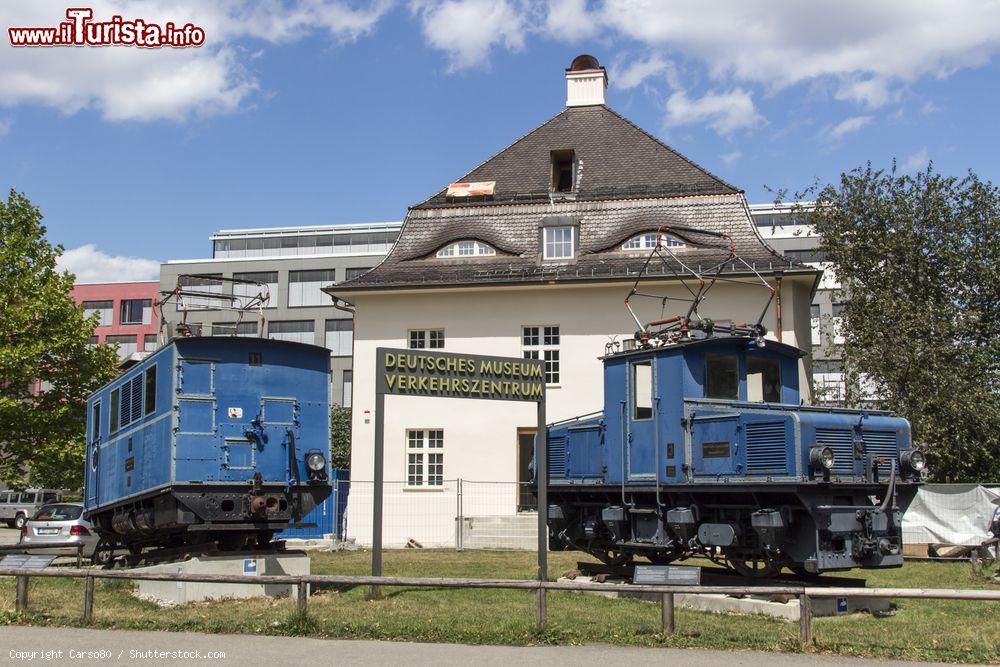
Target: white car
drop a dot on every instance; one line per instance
(60, 522)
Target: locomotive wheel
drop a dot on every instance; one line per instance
(613, 558)
(753, 568)
(231, 541)
(264, 538)
(104, 554)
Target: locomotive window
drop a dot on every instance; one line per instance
(95, 420)
(642, 390)
(722, 376)
(763, 380)
(150, 390)
(113, 423)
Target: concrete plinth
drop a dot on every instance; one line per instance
(180, 592)
(724, 604)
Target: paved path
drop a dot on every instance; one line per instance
(9, 535)
(130, 647)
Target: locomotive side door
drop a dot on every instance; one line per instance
(640, 430)
(93, 454)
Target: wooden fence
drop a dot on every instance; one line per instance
(805, 594)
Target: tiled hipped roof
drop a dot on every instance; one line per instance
(628, 183)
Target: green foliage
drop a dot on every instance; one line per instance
(919, 257)
(43, 338)
(340, 437)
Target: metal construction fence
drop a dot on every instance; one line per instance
(469, 514)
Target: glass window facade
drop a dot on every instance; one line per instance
(305, 288)
(306, 244)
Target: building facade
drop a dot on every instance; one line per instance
(125, 312)
(784, 228)
(294, 263)
(536, 263)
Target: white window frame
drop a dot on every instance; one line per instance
(541, 341)
(647, 241)
(550, 243)
(429, 339)
(424, 458)
(106, 313)
(467, 248)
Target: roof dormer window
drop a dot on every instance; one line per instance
(467, 248)
(558, 243)
(648, 241)
(563, 171)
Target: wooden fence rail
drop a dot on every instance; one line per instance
(805, 594)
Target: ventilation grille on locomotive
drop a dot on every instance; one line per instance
(882, 444)
(841, 441)
(766, 451)
(557, 456)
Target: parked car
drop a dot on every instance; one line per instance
(60, 522)
(17, 506)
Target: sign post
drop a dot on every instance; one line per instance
(429, 373)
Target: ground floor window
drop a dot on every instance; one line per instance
(424, 458)
(542, 342)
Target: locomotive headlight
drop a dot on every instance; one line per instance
(821, 458)
(315, 461)
(913, 460)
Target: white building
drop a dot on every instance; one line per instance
(538, 265)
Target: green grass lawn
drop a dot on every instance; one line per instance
(917, 629)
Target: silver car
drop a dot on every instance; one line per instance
(60, 522)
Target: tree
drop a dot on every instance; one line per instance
(919, 258)
(340, 437)
(43, 345)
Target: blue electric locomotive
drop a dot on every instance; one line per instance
(214, 440)
(703, 449)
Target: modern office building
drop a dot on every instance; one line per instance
(783, 227)
(293, 263)
(125, 311)
(531, 254)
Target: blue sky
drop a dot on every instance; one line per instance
(316, 111)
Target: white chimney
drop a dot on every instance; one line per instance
(586, 82)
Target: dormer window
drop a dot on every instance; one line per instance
(467, 249)
(648, 242)
(563, 171)
(559, 243)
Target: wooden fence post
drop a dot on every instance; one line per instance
(88, 599)
(805, 619)
(302, 596)
(667, 613)
(21, 603)
(542, 612)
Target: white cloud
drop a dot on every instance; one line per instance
(846, 126)
(570, 19)
(731, 158)
(783, 42)
(468, 29)
(90, 265)
(723, 112)
(636, 72)
(872, 93)
(918, 161)
(129, 83)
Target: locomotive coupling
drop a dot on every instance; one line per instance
(262, 505)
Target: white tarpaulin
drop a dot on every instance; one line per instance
(951, 514)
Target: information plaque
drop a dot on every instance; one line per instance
(667, 575)
(26, 561)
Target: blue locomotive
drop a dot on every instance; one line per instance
(704, 449)
(209, 440)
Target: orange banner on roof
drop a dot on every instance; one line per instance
(471, 189)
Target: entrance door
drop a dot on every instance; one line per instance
(527, 499)
(641, 390)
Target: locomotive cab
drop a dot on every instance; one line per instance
(704, 449)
